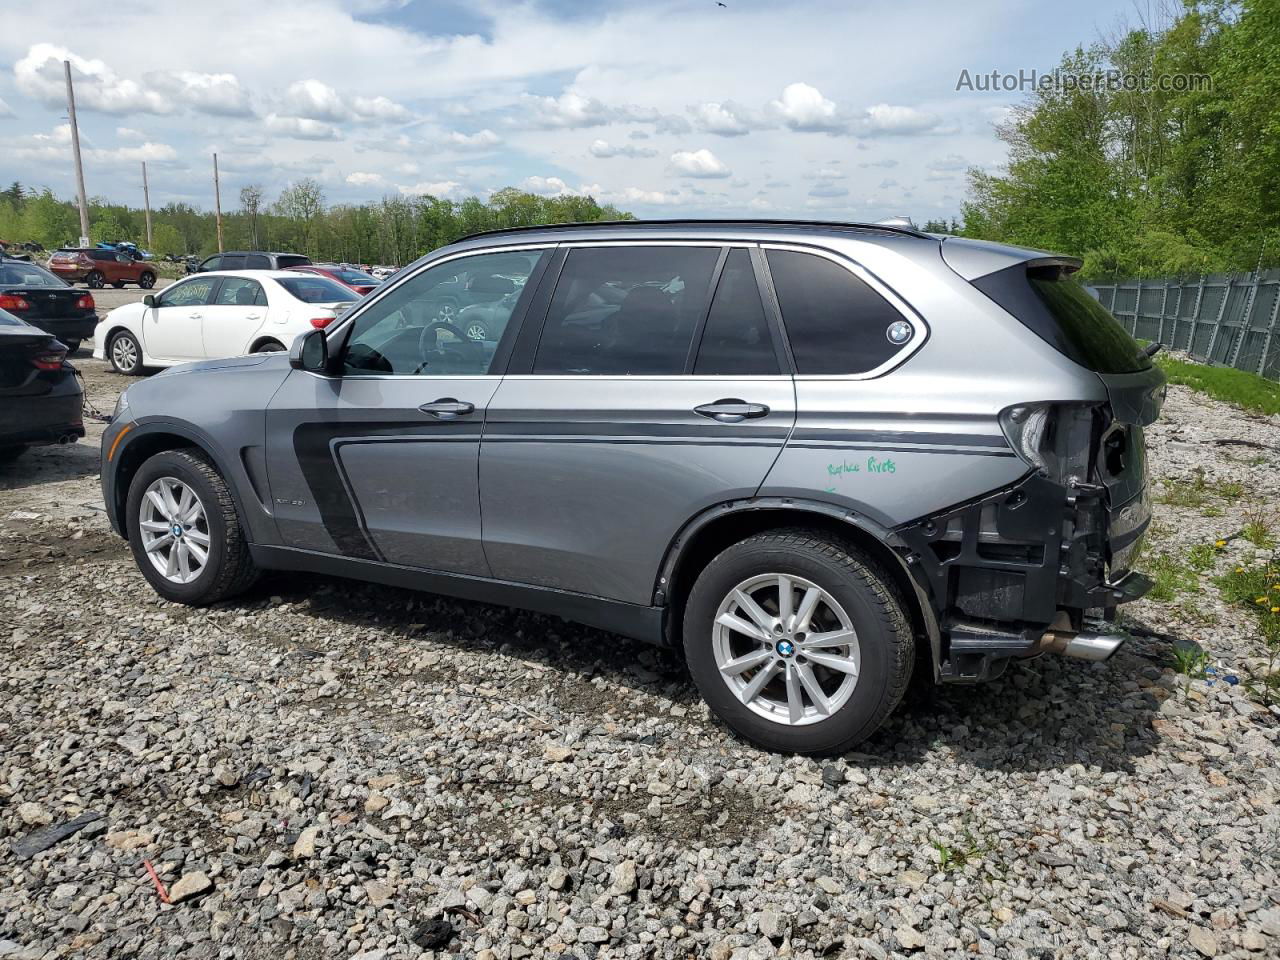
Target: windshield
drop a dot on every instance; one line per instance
(27, 275)
(1057, 309)
(317, 290)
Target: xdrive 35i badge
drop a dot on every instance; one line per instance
(290, 503)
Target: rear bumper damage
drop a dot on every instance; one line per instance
(1023, 572)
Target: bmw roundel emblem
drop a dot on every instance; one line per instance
(899, 332)
(786, 648)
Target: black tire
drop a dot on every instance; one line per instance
(118, 362)
(71, 345)
(8, 454)
(147, 281)
(876, 610)
(118, 284)
(269, 346)
(230, 569)
(95, 279)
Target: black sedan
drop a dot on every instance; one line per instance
(29, 291)
(41, 400)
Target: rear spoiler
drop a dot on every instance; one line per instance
(972, 259)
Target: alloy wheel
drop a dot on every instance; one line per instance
(124, 353)
(174, 529)
(476, 331)
(786, 648)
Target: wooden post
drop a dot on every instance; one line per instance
(75, 149)
(146, 202)
(217, 201)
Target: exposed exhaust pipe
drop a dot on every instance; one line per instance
(65, 439)
(1097, 641)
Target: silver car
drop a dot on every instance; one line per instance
(812, 456)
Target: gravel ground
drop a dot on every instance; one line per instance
(325, 768)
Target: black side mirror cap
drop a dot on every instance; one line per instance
(310, 352)
(149, 300)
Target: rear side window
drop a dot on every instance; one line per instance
(258, 261)
(836, 324)
(626, 310)
(239, 292)
(232, 261)
(736, 340)
(1060, 312)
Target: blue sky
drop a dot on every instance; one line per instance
(843, 110)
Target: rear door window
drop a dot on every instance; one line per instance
(835, 322)
(626, 310)
(232, 261)
(258, 261)
(238, 292)
(736, 340)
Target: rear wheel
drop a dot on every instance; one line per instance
(269, 346)
(798, 641)
(95, 279)
(184, 531)
(125, 353)
(147, 281)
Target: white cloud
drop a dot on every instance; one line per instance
(442, 189)
(128, 133)
(826, 173)
(315, 100)
(951, 162)
(724, 119)
(760, 203)
(380, 110)
(359, 179)
(40, 75)
(887, 163)
(216, 93)
(473, 141)
(826, 188)
(698, 163)
(302, 128)
(804, 108)
(547, 186)
(158, 153)
(5, 109)
(604, 150)
(886, 119)
(573, 110)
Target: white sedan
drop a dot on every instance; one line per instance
(218, 314)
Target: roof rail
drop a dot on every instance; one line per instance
(689, 222)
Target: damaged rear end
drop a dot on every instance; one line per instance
(1041, 566)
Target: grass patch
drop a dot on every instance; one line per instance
(1171, 577)
(1247, 390)
(1200, 557)
(1185, 493)
(1256, 588)
(955, 857)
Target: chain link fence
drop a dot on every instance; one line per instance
(1219, 318)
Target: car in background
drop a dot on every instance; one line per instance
(36, 296)
(383, 272)
(251, 260)
(41, 401)
(223, 314)
(98, 266)
(357, 280)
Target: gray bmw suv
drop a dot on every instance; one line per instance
(812, 456)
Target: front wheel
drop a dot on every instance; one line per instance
(184, 531)
(798, 641)
(95, 279)
(147, 281)
(125, 353)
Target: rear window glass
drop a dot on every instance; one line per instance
(7, 319)
(836, 324)
(28, 275)
(317, 290)
(1060, 311)
(291, 260)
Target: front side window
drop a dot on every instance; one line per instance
(626, 310)
(417, 329)
(191, 293)
(239, 292)
(736, 340)
(835, 322)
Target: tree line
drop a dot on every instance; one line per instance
(1163, 175)
(394, 230)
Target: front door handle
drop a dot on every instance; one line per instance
(194, 316)
(252, 316)
(446, 408)
(732, 410)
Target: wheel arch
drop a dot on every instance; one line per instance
(707, 534)
(259, 341)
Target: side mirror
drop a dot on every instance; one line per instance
(149, 300)
(310, 352)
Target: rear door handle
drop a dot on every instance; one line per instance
(446, 408)
(194, 316)
(732, 410)
(252, 316)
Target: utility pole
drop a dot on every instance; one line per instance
(75, 149)
(146, 200)
(217, 201)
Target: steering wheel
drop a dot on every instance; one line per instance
(427, 340)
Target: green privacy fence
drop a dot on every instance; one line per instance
(1219, 318)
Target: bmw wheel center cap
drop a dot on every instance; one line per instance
(785, 648)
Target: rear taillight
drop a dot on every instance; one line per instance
(86, 302)
(49, 358)
(1057, 439)
(11, 301)
(321, 322)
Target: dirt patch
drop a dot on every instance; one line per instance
(27, 554)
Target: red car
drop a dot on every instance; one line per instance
(98, 266)
(357, 280)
